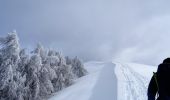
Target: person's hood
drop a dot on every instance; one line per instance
(164, 67)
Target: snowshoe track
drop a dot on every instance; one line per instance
(135, 85)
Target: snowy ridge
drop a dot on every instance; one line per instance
(110, 81)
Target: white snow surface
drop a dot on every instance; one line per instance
(110, 81)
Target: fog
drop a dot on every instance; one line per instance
(133, 30)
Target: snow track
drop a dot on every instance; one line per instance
(133, 84)
(106, 87)
(136, 85)
(110, 81)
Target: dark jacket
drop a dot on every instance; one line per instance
(163, 80)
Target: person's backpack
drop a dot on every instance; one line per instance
(156, 81)
(162, 79)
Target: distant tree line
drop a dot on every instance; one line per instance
(35, 75)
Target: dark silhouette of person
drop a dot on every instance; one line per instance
(159, 85)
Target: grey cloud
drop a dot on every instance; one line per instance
(92, 29)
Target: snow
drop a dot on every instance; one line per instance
(83, 87)
(133, 80)
(110, 81)
(106, 86)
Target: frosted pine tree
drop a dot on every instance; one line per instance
(33, 75)
(64, 72)
(23, 63)
(77, 67)
(41, 52)
(9, 63)
(68, 60)
(33, 78)
(46, 75)
(22, 73)
(64, 76)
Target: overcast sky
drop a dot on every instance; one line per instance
(128, 30)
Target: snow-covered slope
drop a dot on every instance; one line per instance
(109, 81)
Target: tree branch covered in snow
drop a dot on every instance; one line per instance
(34, 76)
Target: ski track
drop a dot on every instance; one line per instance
(135, 85)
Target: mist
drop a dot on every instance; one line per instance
(135, 31)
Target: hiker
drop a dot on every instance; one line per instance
(159, 86)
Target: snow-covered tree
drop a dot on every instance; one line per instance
(46, 75)
(9, 63)
(23, 63)
(63, 76)
(34, 76)
(41, 52)
(68, 60)
(10, 47)
(77, 66)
